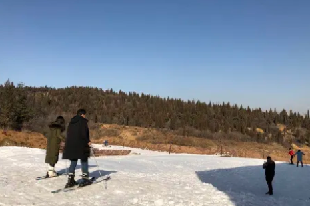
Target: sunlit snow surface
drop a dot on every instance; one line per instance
(152, 178)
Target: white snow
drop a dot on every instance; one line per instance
(153, 178)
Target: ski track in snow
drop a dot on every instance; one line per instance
(152, 178)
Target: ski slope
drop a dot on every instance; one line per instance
(152, 178)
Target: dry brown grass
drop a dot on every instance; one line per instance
(26, 139)
(152, 139)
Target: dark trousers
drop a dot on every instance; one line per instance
(84, 164)
(302, 164)
(292, 159)
(269, 183)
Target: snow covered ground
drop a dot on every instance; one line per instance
(153, 178)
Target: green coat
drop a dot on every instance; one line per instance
(54, 138)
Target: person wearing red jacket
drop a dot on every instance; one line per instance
(291, 152)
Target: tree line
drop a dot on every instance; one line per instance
(30, 107)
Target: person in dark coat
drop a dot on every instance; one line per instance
(54, 138)
(77, 146)
(269, 167)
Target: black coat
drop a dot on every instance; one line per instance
(269, 169)
(76, 146)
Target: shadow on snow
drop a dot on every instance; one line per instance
(78, 167)
(290, 181)
(102, 172)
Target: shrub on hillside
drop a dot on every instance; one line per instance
(8, 142)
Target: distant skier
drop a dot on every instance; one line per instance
(269, 167)
(291, 153)
(78, 147)
(54, 138)
(299, 157)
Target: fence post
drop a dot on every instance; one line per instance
(264, 154)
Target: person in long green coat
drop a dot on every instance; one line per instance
(54, 139)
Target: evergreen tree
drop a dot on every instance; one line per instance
(14, 109)
(132, 109)
(7, 104)
(21, 111)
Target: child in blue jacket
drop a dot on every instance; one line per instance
(299, 157)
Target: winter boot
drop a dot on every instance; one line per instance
(71, 182)
(51, 172)
(85, 180)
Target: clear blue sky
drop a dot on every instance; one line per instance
(254, 53)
